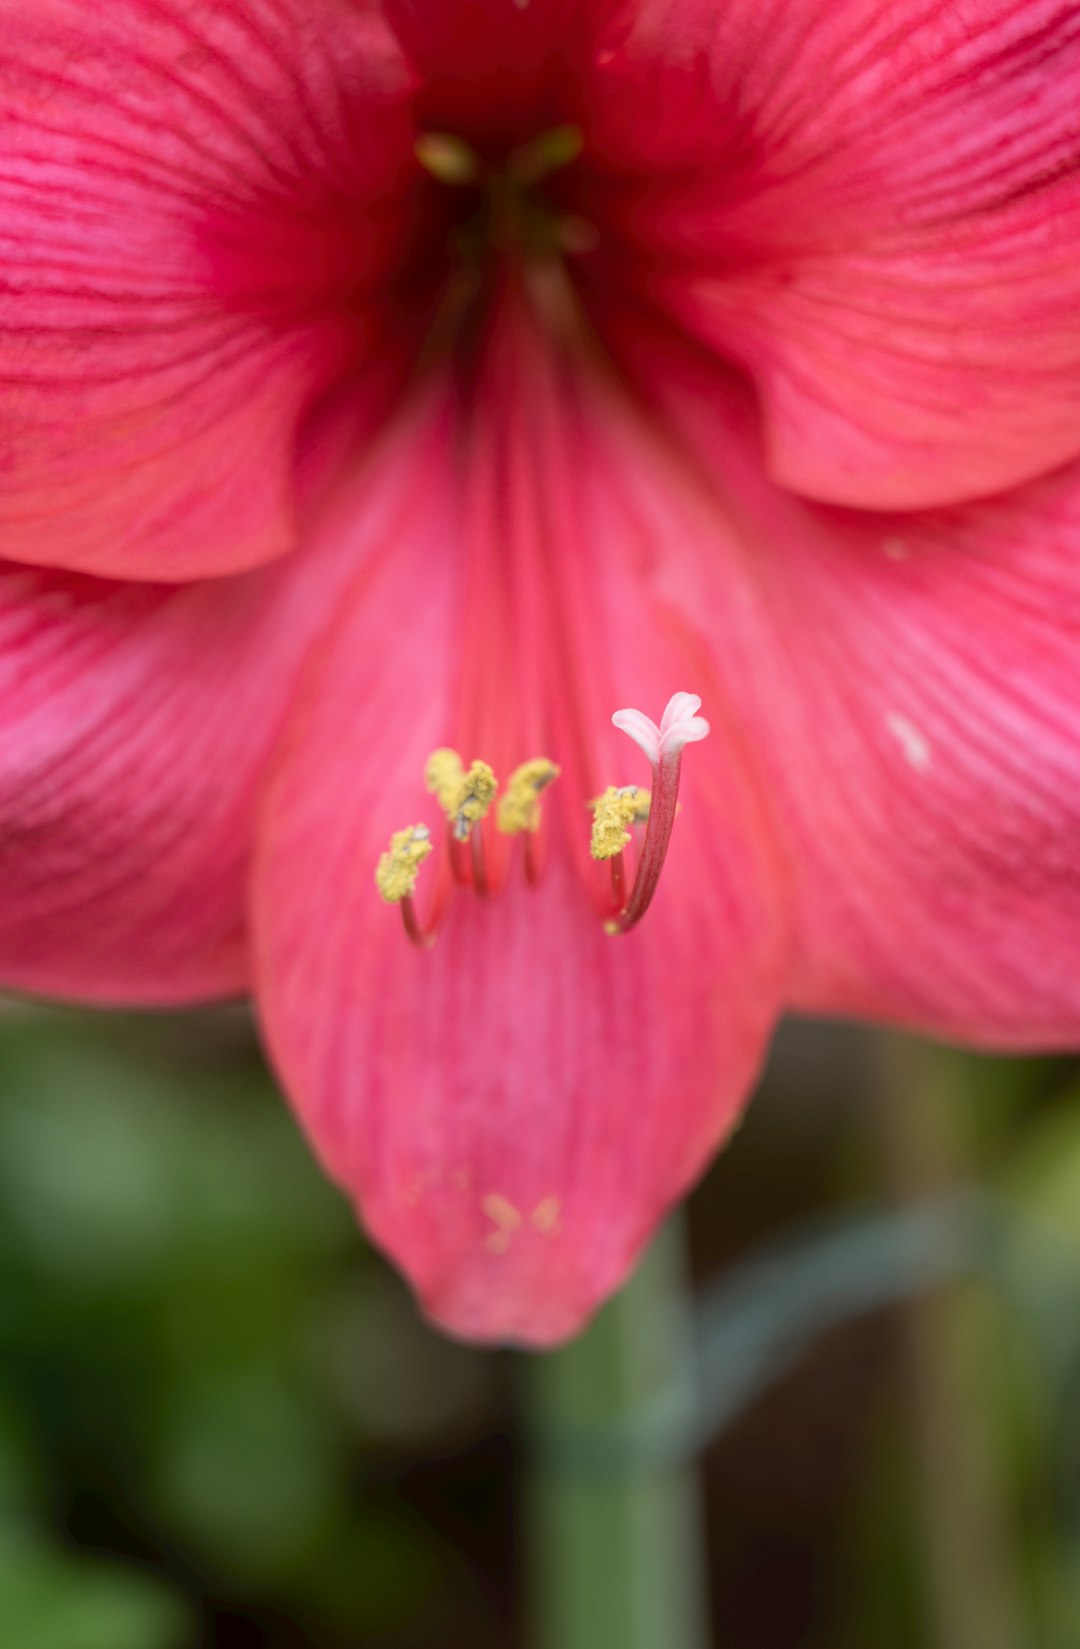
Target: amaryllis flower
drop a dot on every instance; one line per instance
(392, 393)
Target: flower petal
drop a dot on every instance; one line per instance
(136, 723)
(189, 202)
(875, 212)
(492, 67)
(932, 764)
(515, 1108)
(909, 686)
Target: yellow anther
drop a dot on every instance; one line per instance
(444, 776)
(464, 797)
(399, 867)
(447, 158)
(642, 801)
(479, 790)
(550, 152)
(519, 805)
(612, 813)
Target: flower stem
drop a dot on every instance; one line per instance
(615, 1544)
(947, 1346)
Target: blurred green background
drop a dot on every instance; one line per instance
(836, 1410)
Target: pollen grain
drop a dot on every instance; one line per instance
(399, 866)
(613, 813)
(519, 805)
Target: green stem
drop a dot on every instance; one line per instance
(615, 1540)
(925, 1129)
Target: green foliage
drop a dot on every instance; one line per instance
(183, 1302)
(53, 1601)
(213, 1394)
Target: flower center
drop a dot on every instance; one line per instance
(467, 797)
(508, 206)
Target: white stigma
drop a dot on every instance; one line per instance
(679, 725)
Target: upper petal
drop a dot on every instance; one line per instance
(495, 67)
(875, 212)
(515, 1108)
(191, 210)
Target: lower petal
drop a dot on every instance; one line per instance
(515, 1108)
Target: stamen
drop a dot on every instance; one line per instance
(443, 776)
(643, 803)
(479, 790)
(559, 146)
(464, 797)
(519, 805)
(519, 809)
(576, 235)
(612, 813)
(396, 876)
(398, 868)
(449, 159)
(479, 865)
(679, 726)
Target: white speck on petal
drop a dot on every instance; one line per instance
(914, 744)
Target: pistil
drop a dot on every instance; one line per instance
(679, 726)
(657, 837)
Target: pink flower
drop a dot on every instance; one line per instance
(319, 457)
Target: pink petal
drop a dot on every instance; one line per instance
(909, 686)
(187, 225)
(136, 723)
(934, 792)
(875, 212)
(494, 67)
(514, 1109)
